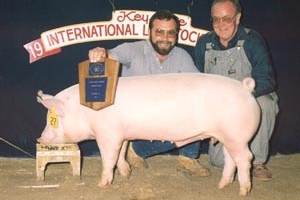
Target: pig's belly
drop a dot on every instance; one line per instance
(179, 138)
(174, 130)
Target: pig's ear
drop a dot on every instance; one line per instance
(51, 102)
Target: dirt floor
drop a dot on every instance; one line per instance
(159, 181)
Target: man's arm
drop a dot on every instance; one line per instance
(262, 70)
(200, 54)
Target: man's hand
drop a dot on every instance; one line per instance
(96, 54)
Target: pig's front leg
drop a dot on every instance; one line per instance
(123, 166)
(109, 149)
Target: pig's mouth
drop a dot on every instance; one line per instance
(55, 140)
(41, 141)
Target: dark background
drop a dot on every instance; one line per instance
(22, 119)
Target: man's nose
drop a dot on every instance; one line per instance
(165, 36)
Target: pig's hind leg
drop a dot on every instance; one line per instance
(228, 170)
(123, 166)
(242, 157)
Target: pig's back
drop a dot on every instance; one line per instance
(179, 103)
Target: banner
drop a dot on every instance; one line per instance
(125, 24)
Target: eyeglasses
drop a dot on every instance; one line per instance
(168, 33)
(225, 19)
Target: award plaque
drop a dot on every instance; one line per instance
(98, 83)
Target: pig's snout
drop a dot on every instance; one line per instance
(40, 140)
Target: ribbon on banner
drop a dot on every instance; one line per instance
(37, 50)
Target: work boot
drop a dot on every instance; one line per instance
(134, 160)
(191, 168)
(261, 172)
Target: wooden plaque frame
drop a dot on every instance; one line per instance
(111, 73)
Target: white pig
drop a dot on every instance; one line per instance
(180, 108)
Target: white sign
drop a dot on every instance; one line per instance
(125, 24)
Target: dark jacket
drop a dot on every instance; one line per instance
(256, 51)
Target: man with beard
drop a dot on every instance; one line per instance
(158, 55)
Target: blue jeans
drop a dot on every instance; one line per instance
(146, 148)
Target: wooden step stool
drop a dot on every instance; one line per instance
(56, 153)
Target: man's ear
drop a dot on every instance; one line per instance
(238, 18)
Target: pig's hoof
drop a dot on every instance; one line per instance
(224, 183)
(243, 193)
(104, 184)
(125, 170)
(126, 174)
(245, 190)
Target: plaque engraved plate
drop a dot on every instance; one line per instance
(95, 89)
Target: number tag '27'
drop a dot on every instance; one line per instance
(53, 118)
